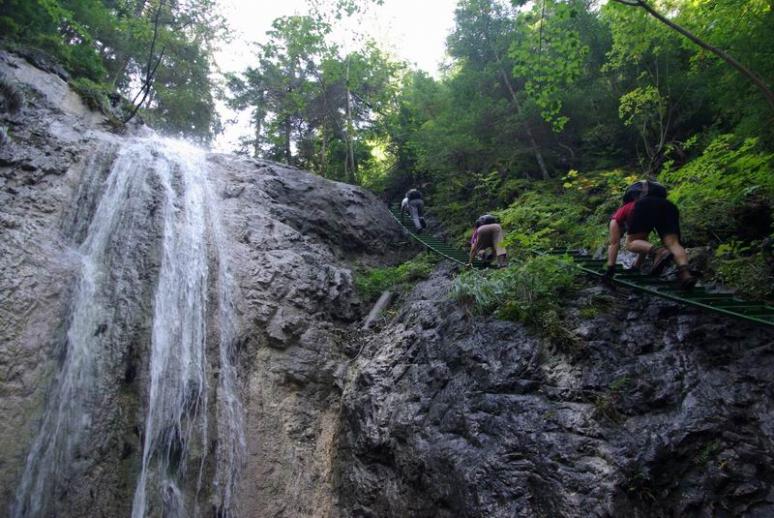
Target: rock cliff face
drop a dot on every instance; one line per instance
(189, 320)
(107, 223)
(655, 411)
(293, 237)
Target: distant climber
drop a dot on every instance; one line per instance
(486, 219)
(488, 234)
(644, 209)
(413, 205)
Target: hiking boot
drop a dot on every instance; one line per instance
(685, 278)
(661, 257)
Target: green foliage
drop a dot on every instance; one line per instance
(93, 94)
(11, 99)
(574, 214)
(529, 291)
(338, 9)
(745, 267)
(51, 26)
(107, 43)
(642, 106)
(606, 402)
(589, 312)
(707, 452)
(372, 282)
(539, 220)
(550, 55)
(619, 384)
(717, 191)
(692, 81)
(313, 107)
(605, 408)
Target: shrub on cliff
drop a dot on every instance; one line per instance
(11, 99)
(529, 291)
(372, 282)
(726, 192)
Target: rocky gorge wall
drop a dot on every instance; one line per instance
(291, 240)
(652, 410)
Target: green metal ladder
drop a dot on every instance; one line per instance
(724, 303)
(432, 243)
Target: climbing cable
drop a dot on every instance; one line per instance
(435, 244)
(724, 303)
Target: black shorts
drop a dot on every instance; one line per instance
(652, 212)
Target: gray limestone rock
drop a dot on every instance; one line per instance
(665, 414)
(292, 240)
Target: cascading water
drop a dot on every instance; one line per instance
(177, 403)
(68, 417)
(177, 397)
(231, 446)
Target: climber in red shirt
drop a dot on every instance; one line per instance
(646, 208)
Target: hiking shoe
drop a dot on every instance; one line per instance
(661, 257)
(685, 278)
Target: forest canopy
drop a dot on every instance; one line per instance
(120, 45)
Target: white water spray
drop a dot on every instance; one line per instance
(51, 461)
(177, 403)
(231, 446)
(176, 408)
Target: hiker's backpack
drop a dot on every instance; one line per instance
(486, 219)
(639, 190)
(414, 194)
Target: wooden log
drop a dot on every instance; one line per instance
(381, 305)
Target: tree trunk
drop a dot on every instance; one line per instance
(124, 58)
(752, 76)
(287, 152)
(150, 71)
(349, 167)
(530, 135)
(323, 151)
(517, 104)
(379, 307)
(258, 120)
(122, 64)
(139, 7)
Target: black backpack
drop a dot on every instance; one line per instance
(642, 189)
(414, 194)
(486, 219)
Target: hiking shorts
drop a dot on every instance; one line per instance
(651, 213)
(490, 236)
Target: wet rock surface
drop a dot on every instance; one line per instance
(292, 240)
(656, 410)
(294, 236)
(40, 173)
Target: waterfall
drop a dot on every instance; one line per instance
(177, 402)
(176, 410)
(68, 418)
(231, 446)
